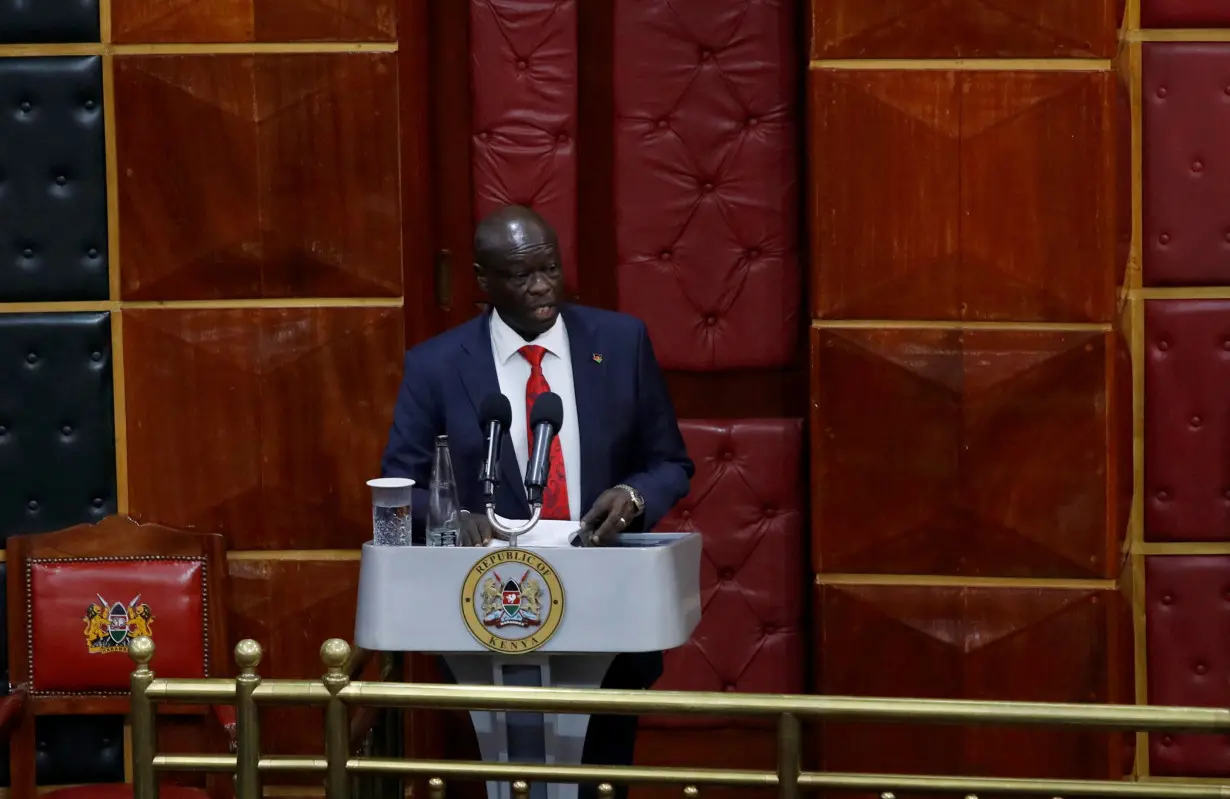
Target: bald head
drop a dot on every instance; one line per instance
(509, 230)
(516, 260)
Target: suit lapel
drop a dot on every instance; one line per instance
(478, 374)
(589, 383)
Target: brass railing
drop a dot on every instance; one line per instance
(337, 693)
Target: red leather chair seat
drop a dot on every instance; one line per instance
(119, 790)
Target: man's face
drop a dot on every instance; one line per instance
(526, 285)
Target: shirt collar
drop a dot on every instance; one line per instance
(506, 342)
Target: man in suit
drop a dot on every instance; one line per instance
(618, 463)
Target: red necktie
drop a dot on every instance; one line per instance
(555, 497)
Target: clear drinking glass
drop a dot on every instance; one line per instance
(391, 505)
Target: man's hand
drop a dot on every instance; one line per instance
(611, 514)
(476, 530)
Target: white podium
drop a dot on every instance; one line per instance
(535, 615)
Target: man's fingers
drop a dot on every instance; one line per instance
(600, 510)
(469, 531)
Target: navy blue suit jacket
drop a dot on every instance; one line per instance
(629, 433)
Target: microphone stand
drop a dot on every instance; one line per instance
(513, 532)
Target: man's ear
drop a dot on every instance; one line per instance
(481, 277)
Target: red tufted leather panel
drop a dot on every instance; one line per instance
(1184, 13)
(523, 77)
(65, 592)
(1187, 391)
(1186, 169)
(746, 500)
(706, 174)
(1187, 617)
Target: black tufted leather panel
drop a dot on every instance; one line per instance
(76, 749)
(53, 188)
(26, 21)
(57, 428)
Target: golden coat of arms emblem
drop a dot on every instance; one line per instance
(512, 601)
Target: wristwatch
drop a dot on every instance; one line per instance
(637, 500)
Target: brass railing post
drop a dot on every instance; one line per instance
(789, 756)
(335, 653)
(247, 721)
(141, 716)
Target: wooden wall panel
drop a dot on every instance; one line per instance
(291, 607)
(964, 28)
(253, 20)
(907, 263)
(1055, 644)
(971, 398)
(260, 176)
(993, 193)
(974, 452)
(262, 424)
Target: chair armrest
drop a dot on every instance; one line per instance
(225, 714)
(11, 709)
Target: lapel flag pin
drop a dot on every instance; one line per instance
(597, 357)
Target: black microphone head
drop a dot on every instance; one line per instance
(547, 408)
(496, 408)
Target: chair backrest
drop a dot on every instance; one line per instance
(77, 597)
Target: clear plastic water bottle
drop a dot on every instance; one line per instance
(443, 512)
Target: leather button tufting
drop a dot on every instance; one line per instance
(58, 453)
(59, 145)
(749, 635)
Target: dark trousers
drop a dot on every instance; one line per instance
(611, 740)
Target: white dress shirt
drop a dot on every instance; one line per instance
(513, 371)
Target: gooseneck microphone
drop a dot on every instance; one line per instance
(495, 414)
(546, 418)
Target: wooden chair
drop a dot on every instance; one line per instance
(75, 599)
